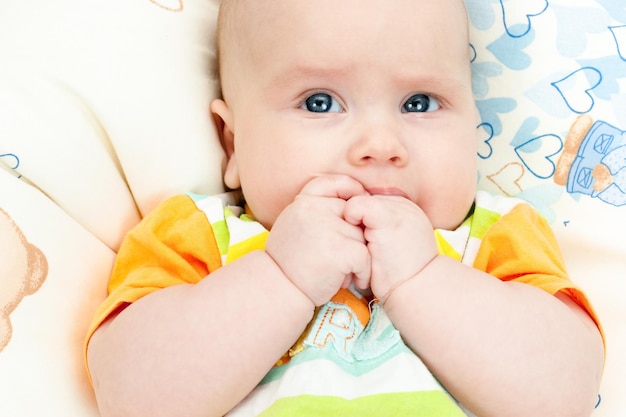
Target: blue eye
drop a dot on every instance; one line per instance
(420, 103)
(321, 103)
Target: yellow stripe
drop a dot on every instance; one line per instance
(445, 248)
(253, 243)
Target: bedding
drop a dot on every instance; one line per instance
(104, 113)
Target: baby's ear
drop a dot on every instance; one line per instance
(223, 117)
(223, 121)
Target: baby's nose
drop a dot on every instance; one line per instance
(379, 143)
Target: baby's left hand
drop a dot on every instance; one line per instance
(399, 237)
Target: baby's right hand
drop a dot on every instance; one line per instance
(314, 246)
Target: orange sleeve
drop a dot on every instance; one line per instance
(522, 247)
(173, 245)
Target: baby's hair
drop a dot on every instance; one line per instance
(223, 20)
(228, 40)
(232, 30)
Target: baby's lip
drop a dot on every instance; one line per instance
(390, 191)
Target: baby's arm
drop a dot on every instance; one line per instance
(198, 350)
(501, 348)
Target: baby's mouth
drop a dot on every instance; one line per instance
(390, 191)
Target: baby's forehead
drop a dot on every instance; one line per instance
(237, 15)
(243, 11)
(240, 17)
(250, 30)
(237, 18)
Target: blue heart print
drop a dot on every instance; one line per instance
(10, 160)
(546, 97)
(542, 197)
(537, 154)
(491, 107)
(575, 89)
(611, 68)
(526, 130)
(510, 51)
(619, 35)
(486, 150)
(574, 25)
(615, 9)
(517, 15)
(481, 72)
(481, 13)
(473, 54)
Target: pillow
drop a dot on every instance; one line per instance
(138, 78)
(104, 112)
(548, 77)
(54, 274)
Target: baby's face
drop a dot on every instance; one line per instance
(377, 90)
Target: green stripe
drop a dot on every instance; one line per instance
(482, 220)
(403, 404)
(222, 235)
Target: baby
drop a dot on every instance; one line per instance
(366, 273)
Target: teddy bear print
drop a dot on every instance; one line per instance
(23, 268)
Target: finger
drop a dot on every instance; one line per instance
(361, 267)
(362, 281)
(334, 186)
(374, 212)
(356, 209)
(346, 281)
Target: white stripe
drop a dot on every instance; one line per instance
(403, 373)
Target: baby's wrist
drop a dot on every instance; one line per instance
(388, 294)
(290, 282)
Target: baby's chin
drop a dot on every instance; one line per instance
(450, 219)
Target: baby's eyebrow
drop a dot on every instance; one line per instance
(299, 72)
(415, 81)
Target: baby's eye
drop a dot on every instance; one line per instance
(420, 103)
(321, 103)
